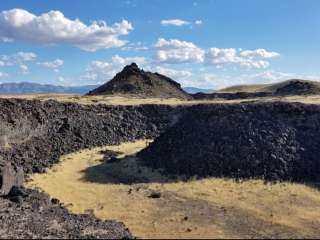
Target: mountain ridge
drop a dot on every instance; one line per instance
(30, 87)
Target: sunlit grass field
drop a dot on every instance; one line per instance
(204, 208)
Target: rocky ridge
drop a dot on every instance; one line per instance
(134, 81)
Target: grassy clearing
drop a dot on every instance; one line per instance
(207, 208)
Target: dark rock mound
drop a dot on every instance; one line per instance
(134, 81)
(30, 214)
(298, 87)
(230, 96)
(273, 141)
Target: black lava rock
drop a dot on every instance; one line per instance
(272, 141)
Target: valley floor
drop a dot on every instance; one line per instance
(155, 206)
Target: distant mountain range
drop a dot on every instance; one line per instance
(193, 90)
(28, 87)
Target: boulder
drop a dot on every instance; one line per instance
(9, 177)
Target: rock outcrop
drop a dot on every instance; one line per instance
(54, 128)
(37, 134)
(134, 81)
(9, 178)
(28, 214)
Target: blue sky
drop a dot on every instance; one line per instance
(207, 44)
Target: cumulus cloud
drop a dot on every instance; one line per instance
(212, 81)
(174, 22)
(2, 74)
(272, 76)
(138, 46)
(25, 56)
(61, 80)
(17, 58)
(220, 56)
(248, 63)
(54, 65)
(24, 69)
(178, 22)
(54, 28)
(263, 77)
(246, 58)
(172, 73)
(100, 72)
(176, 51)
(258, 53)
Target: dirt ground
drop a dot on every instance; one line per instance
(155, 206)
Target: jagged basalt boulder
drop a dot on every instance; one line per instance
(9, 178)
(272, 141)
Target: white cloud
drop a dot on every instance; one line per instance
(212, 81)
(246, 58)
(61, 79)
(138, 46)
(172, 73)
(258, 53)
(264, 77)
(17, 58)
(100, 72)
(176, 51)
(174, 22)
(24, 69)
(4, 39)
(276, 76)
(54, 28)
(178, 22)
(2, 74)
(55, 65)
(254, 64)
(25, 56)
(220, 56)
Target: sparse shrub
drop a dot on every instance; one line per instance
(193, 178)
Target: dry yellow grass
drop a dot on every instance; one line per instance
(131, 100)
(94, 100)
(245, 88)
(208, 208)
